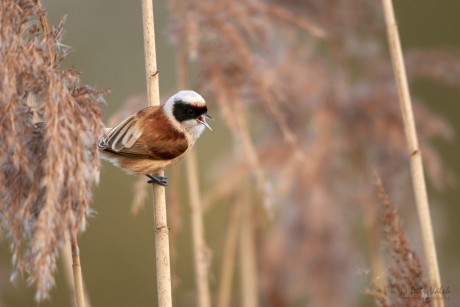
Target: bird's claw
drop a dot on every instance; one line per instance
(161, 180)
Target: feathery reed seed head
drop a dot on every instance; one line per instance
(405, 281)
(49, 130)
(307, 91)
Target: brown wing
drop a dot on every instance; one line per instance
(146, 134)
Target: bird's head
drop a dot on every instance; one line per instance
(188, 112)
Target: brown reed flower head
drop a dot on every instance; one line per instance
(406, 285)
(307, 91)
(49, 130)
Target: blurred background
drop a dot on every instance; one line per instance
(117, 249)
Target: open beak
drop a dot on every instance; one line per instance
(202, 120)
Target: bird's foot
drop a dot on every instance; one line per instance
(161, 180)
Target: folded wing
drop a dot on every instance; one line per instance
(148, 134)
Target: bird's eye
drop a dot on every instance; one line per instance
(190, 112)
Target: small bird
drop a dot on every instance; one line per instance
(156, 137)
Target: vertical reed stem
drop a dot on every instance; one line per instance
(200, 252)
(229, 255)
(163, 265)
(77, 276)
(68, 270)
(199, 245)
(417, 173)
(248, 269)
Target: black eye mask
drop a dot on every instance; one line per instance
(183, 111)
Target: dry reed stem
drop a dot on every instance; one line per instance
(163, 265)
(417, 173)
(229, 255)
(248, 269)
(76, 269)
(200, 250)
(68, 271)
(242, 137)
(175, 224)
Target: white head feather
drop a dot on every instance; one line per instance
(191, 128)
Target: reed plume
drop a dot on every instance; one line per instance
(307, 93)
(49, 129)
(406, 285)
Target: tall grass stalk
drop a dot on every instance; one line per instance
(163, 265)
(417, 172)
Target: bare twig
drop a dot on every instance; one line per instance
(163, 265)
(417, 173)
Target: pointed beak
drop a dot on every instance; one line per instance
(202, 120)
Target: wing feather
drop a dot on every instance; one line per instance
(122, 136)
(131, 136)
